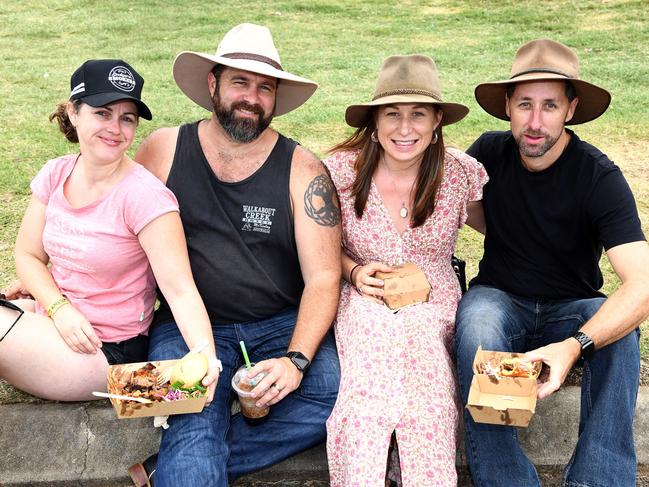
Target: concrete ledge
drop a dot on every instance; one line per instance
(84, 444)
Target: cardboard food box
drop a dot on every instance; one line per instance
(497, 399)
(119, 374)
(406, 284)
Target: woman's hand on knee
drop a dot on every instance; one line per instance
(76, 330)
(368, 285)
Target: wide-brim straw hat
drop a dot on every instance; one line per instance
(545, 60)
(407, 79)
(248, 47)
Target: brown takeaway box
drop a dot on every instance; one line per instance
(406, 284)
(130, 409)
(509, 401)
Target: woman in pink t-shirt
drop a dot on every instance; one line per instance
(98, 232)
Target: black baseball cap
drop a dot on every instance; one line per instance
(99, 82)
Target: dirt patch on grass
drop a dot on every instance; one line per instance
(441, 10)
(632, 157)
(599, 22)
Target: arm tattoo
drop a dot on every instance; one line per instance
(319, 202)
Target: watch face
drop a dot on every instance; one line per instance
(300, 361)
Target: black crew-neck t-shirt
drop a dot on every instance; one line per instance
(546, 230)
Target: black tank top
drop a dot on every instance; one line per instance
(239, 235)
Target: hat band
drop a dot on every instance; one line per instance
(540, 70)
(253, 57)
(406, 91)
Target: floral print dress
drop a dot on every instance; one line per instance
(397, 373)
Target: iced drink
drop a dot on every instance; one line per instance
(242, 386)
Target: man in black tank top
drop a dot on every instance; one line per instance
(553, 202)
(262, 225)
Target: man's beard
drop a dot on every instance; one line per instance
(241, 129)
(535, 150)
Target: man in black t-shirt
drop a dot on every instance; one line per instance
(552, 204)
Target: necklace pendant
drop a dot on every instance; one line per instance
(403, 212)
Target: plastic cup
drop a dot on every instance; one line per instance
(242, 385)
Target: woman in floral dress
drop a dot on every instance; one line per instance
(403, 197)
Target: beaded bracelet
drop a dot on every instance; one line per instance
(56, 305)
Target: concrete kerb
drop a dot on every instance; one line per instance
(84, 443)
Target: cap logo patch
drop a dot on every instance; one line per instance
(121, 78)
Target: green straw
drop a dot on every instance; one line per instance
(245, 354)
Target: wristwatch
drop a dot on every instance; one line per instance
(587, 345)
(299, 360)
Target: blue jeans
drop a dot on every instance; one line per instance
(605, 453)
(212, 447)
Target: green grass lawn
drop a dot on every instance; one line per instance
(340, 44)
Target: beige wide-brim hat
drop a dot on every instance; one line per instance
(248, 47)
(406, 79)
(545, 60)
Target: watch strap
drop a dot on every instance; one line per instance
(299, 360)
(587, 344)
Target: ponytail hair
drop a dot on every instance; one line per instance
(65, 124)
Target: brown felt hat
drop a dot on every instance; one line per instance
(407, 79)
(545, 60)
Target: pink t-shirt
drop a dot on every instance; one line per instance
(96, 258)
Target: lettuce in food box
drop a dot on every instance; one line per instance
(182, 394)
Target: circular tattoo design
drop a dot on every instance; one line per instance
(319, 202)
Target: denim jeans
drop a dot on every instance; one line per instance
(605, 453)
(213, 447)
